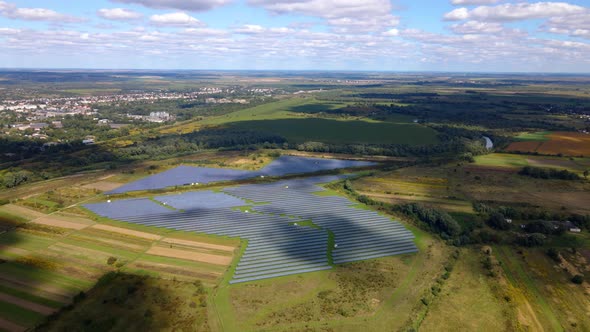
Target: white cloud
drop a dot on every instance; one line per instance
(189, 5)
(475, 27)
(575, 25)
(515, 12)
(345, 15)
(249, 29)
(391, 33)
(473, 2)
(457, 14)
(175, 19)
(35, 14)
(119, 14)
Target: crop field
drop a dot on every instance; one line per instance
(280, 242)
(343, 131)
(188, 175)
(563, 143)
(48, 259)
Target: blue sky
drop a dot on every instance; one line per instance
(388, 35)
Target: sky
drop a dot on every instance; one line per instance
(368, 35)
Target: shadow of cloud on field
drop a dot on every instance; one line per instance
(128, 302)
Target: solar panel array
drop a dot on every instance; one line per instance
(186, 175)
(276, 247)
(359, 234)
(278, 242)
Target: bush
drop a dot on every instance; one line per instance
(111, 260)
(498, 221)
(554, 254)
(548, 173)
(578, 279)
(532, 240)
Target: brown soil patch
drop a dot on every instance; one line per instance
(102, 185)
(125, 231)
(567, 143)
(10, 326)
(198, 244)
(53, 221)
(75, 250)
(27, 304)
(22, 211)
(190, 255)
(529, 146)
(132, 247)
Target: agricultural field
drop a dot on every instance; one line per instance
(297, 120)
(517, 161)
(553, 143)
(47, 260)
(343, 131)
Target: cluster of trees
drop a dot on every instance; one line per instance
(529, 213)
(548, 173)
(176, 145)
(455, 146)
(439, 222)
(13, 179)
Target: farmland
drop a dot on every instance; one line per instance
(554, 143)
(50, 259)
(296, 119)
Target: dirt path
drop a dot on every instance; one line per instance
(190, 255)
(125, 231)
(27, 304)
(103, 185)
(57, 222)
(198, 244)
(10, 326)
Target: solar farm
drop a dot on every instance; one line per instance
(187, 175)
(289, 228)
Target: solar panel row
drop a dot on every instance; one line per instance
(189, 175)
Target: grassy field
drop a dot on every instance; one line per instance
(469, 287)
(515, 161)
(427, 185)
(544, 286)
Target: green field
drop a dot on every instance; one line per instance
(296, 120)
(578, 165)
(343, 131)
(535, 136)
